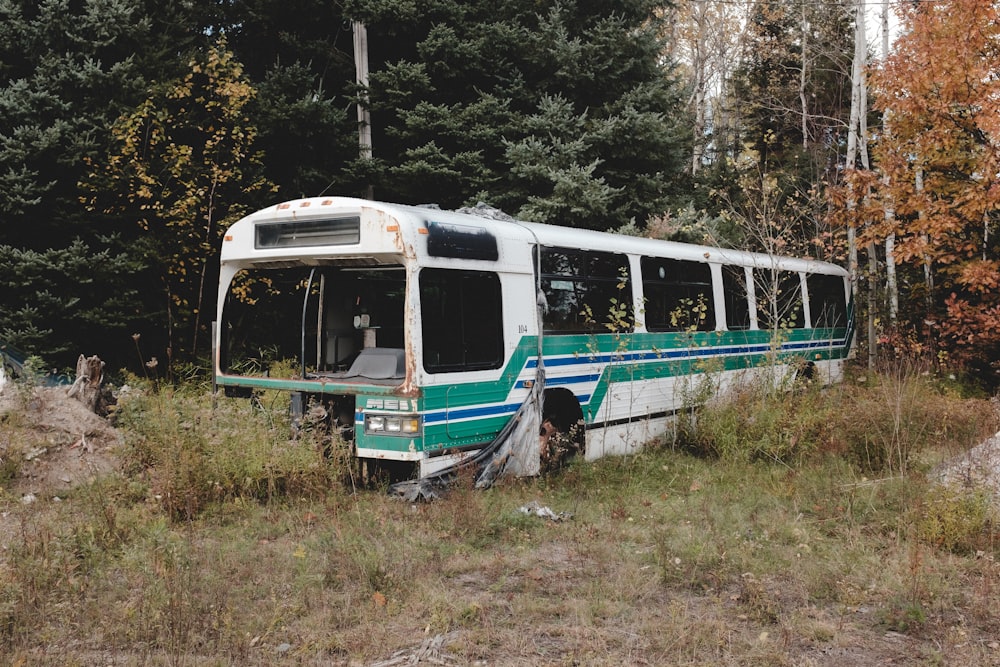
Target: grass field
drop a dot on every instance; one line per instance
(222, 542)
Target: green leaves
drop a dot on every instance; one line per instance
(118, 112)
(58, 290)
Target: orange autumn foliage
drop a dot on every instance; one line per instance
(942, 99)
(938, 166)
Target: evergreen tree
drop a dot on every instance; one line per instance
(602, 147)
(557, 111)
(298, 55)
(58, 299)
(66, 73)
(66, 70)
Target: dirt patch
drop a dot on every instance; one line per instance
(59, 442)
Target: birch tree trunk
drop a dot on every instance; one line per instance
(857, 146)
(918, 185)
(699, 96)
(862, 85)
(802, 79)
(891, 285)
(852, 143)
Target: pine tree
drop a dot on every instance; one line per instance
(66, 70)
(557, 111)
(297, 54)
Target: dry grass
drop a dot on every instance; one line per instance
(669, 558)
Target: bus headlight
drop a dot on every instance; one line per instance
(392, 424)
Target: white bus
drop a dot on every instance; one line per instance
(419, 333)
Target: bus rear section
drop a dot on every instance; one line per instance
(385, 323)
(312, 300)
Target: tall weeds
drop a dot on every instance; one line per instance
(228, 542)
(753, 423)
(881, 423)
(905, 408)
(193, 453)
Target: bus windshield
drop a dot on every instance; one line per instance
(341, 314)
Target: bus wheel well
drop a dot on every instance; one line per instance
(562, 434)
(805, 371)
(378, 473)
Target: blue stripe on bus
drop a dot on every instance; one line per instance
(482, 411)
(685, 353)
(471, 413)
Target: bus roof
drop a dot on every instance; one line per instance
(317, 208)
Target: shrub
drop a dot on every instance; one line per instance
(754, 423)
(194, 453)
(955, 520)
(11, 450)
(879, 423)
(890, 418)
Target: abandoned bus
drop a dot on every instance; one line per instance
(418, 333)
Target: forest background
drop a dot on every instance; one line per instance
(133, 132)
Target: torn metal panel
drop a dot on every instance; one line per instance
(515, 450)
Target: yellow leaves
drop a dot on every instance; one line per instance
(182, 163)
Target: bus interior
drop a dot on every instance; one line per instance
(350, 323)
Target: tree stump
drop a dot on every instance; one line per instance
(87, 386)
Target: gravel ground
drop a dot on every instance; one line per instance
(978, 468)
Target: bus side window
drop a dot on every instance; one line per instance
(678, 295)
(827, 301)
(779, 299)
(461, 320)
(734, 286)
(587, 291)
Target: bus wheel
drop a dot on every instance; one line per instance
(562, 434)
